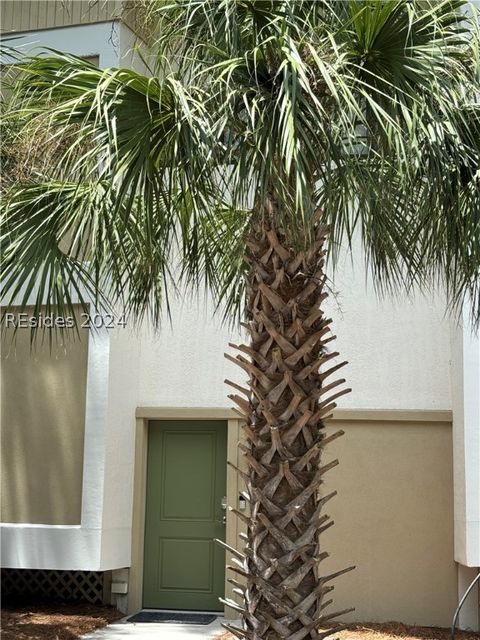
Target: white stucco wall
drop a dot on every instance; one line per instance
(466, 441)
(398, 351)
(182, 364)
(87, 40)
(119, 447)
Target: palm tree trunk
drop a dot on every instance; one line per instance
(285, 405)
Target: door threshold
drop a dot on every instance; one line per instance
(212, 613)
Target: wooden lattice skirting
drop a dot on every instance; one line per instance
(86, 586)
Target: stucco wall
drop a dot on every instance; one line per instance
(398, 352)
(466, 456)
(398, 348)
(119, 446)
(100, 40)
(393, 520)
(466, 441)
(182, 364)
(42, 429)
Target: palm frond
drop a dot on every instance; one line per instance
(362, 113)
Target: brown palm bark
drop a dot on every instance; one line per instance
(289, 395)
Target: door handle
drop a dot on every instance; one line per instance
(223, 505)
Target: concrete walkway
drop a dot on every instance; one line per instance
(123, 630)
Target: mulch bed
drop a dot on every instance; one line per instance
(66, 621)
(53, 621)
(392, 631)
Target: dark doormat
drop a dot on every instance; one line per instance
(173, 617)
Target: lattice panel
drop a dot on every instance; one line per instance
(65, 585)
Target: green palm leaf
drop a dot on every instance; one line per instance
(364, 111)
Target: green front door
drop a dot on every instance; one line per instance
(186, 482)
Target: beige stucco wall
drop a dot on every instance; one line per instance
(393, 520)
(42, 429)
(393, 513)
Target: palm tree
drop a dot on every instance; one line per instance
(268, 134)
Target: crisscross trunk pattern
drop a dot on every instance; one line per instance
(290, 393)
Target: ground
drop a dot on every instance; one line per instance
(60, 621)
(53, 621)
(393, 631)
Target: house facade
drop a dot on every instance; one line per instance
(115, 445)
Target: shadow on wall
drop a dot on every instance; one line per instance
(42, 427)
